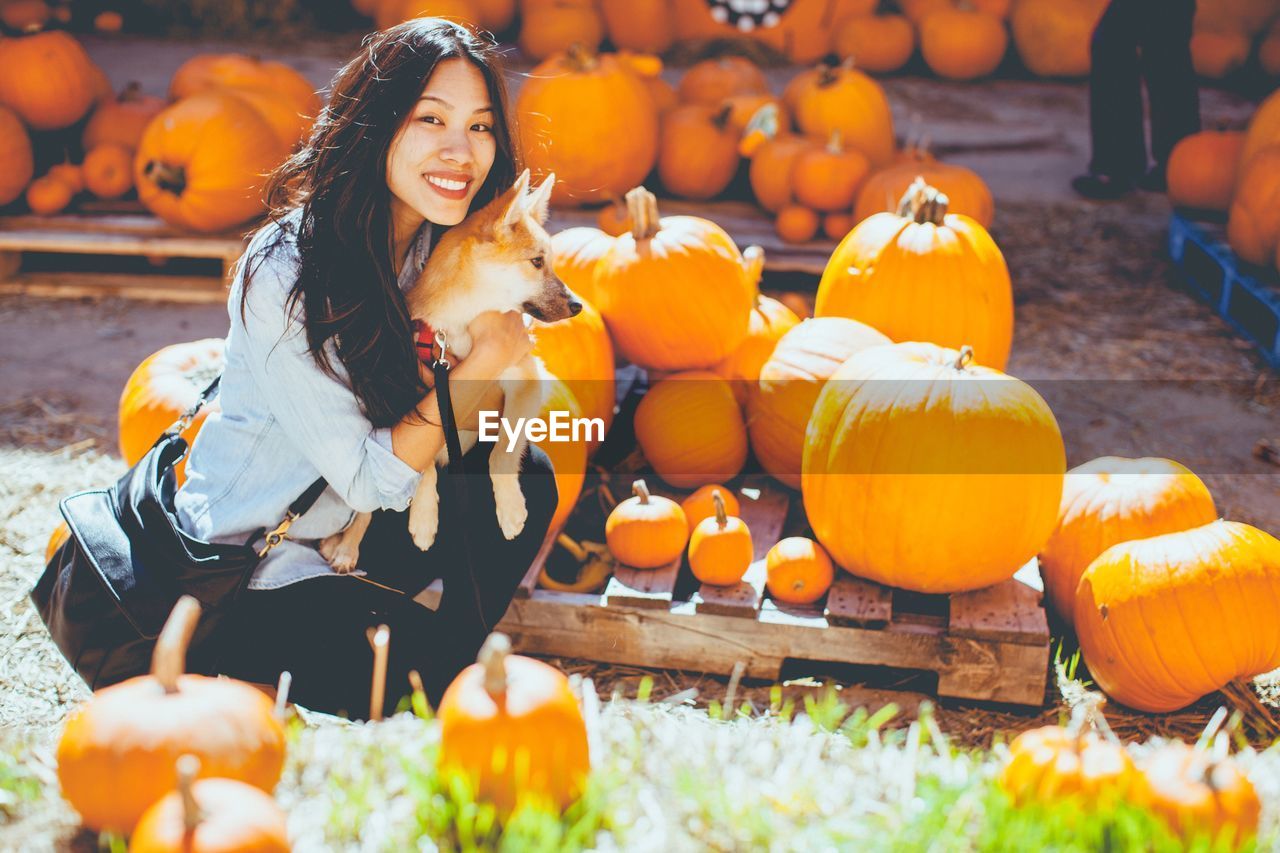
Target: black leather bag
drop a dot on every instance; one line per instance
(106, 592)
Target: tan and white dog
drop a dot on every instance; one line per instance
(497, 259)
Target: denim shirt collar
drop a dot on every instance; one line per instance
(416, 258)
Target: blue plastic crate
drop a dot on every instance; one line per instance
(1248, 297)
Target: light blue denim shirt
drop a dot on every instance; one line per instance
(283, 423)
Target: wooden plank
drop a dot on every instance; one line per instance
(1008, 612)
(106, 243)
(764, 509)
(859, 602)
(643, 587)
(155, 288)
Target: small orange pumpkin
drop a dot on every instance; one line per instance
(108, 171)
(70, 174)
(827, 178)
(961, 44)
(720, 549)
(844, 99)
(798, 571)
(109, 21)
(880, 44)
(122, 120)
(612, 219)
(697, 151)
(770, 173)
(690, 428)
(646, 531)
(47, 196)
(1202, 169)
(837, 225)
(701, 504)
(797, 224)
(25, 15)
(1216, 54)
(550, 27)
(712, 81)
(1199, 793)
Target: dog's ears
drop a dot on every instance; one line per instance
(541, 198)
(516, 206)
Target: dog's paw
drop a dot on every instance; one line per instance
(512, 510)
(424, 523)
(342, 556)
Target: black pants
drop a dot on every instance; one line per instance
(1140, 40)
(316, 628)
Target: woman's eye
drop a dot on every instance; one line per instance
(537, 262)
(483, 128)
(431, 119)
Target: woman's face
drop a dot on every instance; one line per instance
(441, 156)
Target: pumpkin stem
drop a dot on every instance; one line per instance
(493, 657)
(188, 769)
(722, 515)
(171, 179)
(575, 550)
(640, 490)
(132, 91)
(643, 207)
(721, 118)
(581, 59)
(835, 144)
(753, 265)
(923, 203)
(170, 656)
(282, 693)
(964, 357)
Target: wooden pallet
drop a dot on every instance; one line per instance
(121, 232)
(1248, 297)
(992, 644)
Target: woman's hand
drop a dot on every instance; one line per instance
(499, 338)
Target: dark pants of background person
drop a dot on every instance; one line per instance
(1140, 40)
(316, 628)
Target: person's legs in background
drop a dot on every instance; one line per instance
(1115, 104)
(1172, 92)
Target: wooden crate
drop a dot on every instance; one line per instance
(120, 231)
(992, 644)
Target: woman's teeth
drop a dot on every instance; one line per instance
(444, 183)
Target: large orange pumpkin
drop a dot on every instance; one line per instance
(923, 274)
(641, 25)
(1263, 130)
(1053, 36)
(202, 162)
(122, 120)
(593, 152)
(1253, 223)
(160, 389)
(880, 44)
(846, 100)
(697, 151)
(578, 352)
(779, 405)
(576, 251)
(289, 125)
(770, 320)
(511, 727)
(47, 79)
(961, 44)
(913, 456)
(1202, 169)
(17, 159)
(1112, 499)
(966, 192)
(549, 27)
(1210, 595)
(799, 28)
(691, 431)
(237, 71)
(674, 292)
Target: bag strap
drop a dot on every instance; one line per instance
(190, 414)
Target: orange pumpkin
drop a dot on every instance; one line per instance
(712, 81)
(1202, 169)
(17, 158)
(1253, 223)
(134, 731)
(25, 15)
(1215, 54)
(1053, 36)
(496, 16)
(578, 352)
(201, 163)
(211, 816)
(289, 125)
(1201, 795)
(576, 251)
(550, 27)
(720, 549)
(770, 320)
(797, 224)
(568, 458)
(122, 120)
(913, 455)
(917, 10)
(1269, 52)
(160, 389)
(236, 71)
(1111, 500)
(966, 192)
(944, 266)
(108, 22)
(779, 405)
(798, 303)
(47, 196)
(592, 152)
(701, 504)
(664, 95)
(690, 428)
(642, 25)
(770, 172)
(798, 571)
(697, 151)
(844, 99)
(1168, 586)
(47, 79)
(511, 727)
(674, 292)
(836, 225)
(108, 171)
(961, 44)
(613, 218)
(70, 174)
(880, 44)
(646, 531)
(799, 28)
(1263, 130)
(827, 178)
(389, 13)
(1083, 762)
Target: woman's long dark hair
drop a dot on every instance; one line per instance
(347, 282)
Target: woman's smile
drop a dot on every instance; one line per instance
(451, 185)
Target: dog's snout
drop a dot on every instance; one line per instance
(575, 308)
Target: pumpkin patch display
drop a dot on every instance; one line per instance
(841, 98)
(799, 28)
(698, 151)
(117, 751)
(646, 531)
(47, 79)
(720, 549)
(1110, 500)
(593, 153)
(1201, 794)
(674, 291)
(779, 405)
(17, 158)
(966, 192)
(914, 437)
(798, 571)
(1202, 169)
(1165, 586)
(690, 427)
(701, 504)
(945, 266)
(511, 726)
(121, 120)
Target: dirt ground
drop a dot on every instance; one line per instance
(1130, 364)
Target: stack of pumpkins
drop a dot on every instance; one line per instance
(1225, 34)
(1238, 173)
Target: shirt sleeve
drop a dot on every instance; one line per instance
(317, 411)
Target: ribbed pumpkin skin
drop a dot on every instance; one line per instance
(678, 301)
(223, 148)
(963, 45)
(597, 152)
(1053, 36)
(160, 389)
(691, 431)
(966, 192)
(1202, 169)
(47, 79)
(1110, 500)
(1253, 223)
(849, 101)
(576, 252)
(779, 405)
(910, 463)
(17, 159)
(1263, 130)
(880, 44)
(914, 281)
(1210, 594)
(578, 352)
